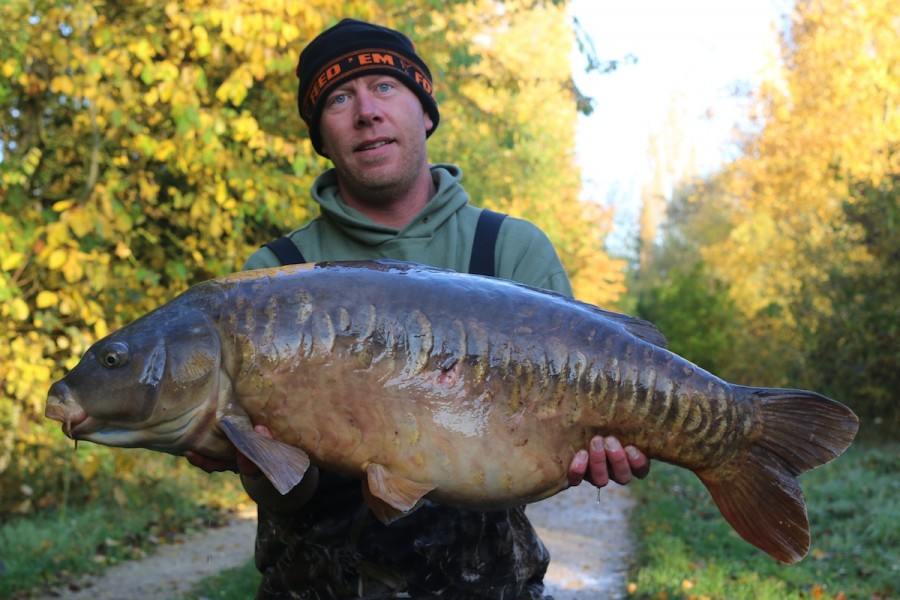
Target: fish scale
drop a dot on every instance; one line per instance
(467, 390)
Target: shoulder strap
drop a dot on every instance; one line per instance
(485, 242)
(483, 246)
(286, 251)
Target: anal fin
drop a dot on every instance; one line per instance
(389, 496)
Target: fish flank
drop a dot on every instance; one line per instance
(269, 322)
(554, 372)
(322, 334)
(360, 332)
(478, 349)
(419, 343)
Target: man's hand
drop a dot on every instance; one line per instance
(606, 460)
(241, 464)
(258, 487)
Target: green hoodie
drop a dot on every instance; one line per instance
(334, 547)
(440, 235)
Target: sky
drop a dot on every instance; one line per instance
(697, 52)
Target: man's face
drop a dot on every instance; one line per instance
(373, 129)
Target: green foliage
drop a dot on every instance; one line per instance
(695, 313)
(677, 291)
(688, 551)
(234, 584)
(857, 347)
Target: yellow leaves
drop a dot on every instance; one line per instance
(289, 33)
(142, 50)
(122, 250)
(165, 149)
(57, 258)
(244, 127)
(80, 221)
(221, 194)
(100, 329)
(73, 268)
(63, 205)
(201, 41)
(12, 260)
(30, 162)
(88, 466)
(62, 85)
(9, 68)
(46, 299)
(16, 310)
(234, 89)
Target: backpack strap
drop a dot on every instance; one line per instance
(485, 242)
(286, 251)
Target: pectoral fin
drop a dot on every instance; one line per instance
(282, 464)
(389, 496)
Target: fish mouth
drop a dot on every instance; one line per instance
(62, 407)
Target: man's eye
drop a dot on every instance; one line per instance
(385, 87)
(339, 99)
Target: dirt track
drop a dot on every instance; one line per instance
(588, 541)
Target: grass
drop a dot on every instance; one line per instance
(59, 547)
(239, 583)
(688, 551)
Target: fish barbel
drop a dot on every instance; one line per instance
(473, 391)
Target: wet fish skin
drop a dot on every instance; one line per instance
(474, 391)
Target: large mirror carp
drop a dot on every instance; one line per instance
(473, 391)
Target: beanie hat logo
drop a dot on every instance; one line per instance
(353, 65)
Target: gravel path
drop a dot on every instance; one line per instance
(174, 569)
(589, 542)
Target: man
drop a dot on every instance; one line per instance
(368, 101)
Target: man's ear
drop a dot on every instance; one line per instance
(429, 124)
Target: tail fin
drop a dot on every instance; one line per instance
(757, 491)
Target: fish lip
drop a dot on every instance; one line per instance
(83, 429)
(62, 407)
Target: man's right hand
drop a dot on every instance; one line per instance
(241, 464)
(257, 486)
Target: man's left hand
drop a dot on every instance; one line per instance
(606, 460)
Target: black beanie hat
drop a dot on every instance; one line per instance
(351, 49)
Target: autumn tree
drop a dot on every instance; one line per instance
(828, 130)
(512, 114)
(677, 291)
(781, 270)
(145, 146)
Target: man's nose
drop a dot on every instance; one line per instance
(367, 108)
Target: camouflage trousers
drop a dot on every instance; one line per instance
(326, 552)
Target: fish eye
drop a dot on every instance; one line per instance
(114, 355)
